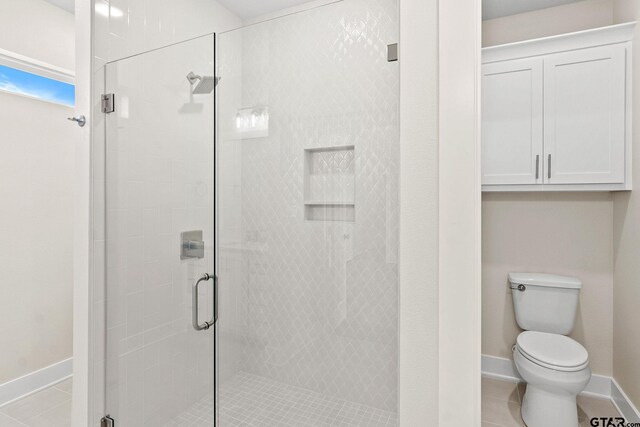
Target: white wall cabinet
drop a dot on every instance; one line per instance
(584, 116)
(555, 113)
(512, 130)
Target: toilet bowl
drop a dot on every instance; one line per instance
(556, 369)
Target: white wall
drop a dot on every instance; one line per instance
(39, 30)
(83, 313)
(567, 18)
(418, 255)
(562, 233)
(36, 164)
(626, 329)
(460, 213)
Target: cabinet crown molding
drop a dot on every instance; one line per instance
(613, 34)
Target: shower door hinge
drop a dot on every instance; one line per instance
(392, 52)
(107, 102)
(107, 421)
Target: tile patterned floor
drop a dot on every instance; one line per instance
(247, 400)
(199, 414)
(51, 406)
(501, 405)
(250, 400)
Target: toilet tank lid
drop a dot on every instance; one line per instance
(545, 280)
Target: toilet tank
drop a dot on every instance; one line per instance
(545, 302)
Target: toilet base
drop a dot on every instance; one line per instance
(543, 409)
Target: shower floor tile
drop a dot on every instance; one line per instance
(251, 400)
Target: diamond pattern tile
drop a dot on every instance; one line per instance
(332, 162)
(311, 304)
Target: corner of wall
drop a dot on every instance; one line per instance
(460, 213)
(626, 233)
(418, 262)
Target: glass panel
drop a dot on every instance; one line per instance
(159, 183)
(307, 211)
(34, 86)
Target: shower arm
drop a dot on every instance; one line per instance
(193, 78)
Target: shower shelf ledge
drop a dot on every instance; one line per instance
(333, 203)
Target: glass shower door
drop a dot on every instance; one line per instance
(160, 237)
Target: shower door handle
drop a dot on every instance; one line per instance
(206, 325)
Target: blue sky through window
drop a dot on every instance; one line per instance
(35, 86)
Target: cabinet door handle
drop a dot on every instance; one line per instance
(549, 167)
(537, 167)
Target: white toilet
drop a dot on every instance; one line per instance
(554, 366)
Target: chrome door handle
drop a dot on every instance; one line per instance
(549, 167)
(537, 166)
(206, 325)
(80, 120)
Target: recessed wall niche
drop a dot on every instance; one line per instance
(329, 184)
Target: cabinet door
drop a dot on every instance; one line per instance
(512, 102)
(585, 116)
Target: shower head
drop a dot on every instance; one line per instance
(203, 84)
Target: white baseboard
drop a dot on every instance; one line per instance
(504, 369)
(623, 403)
(500, 368)
(35, 381)
(600, 386)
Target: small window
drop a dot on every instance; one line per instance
(37, 87)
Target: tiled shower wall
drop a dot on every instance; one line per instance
(123, 28)
(311, 303)
(159, 183)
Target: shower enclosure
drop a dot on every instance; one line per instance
(252, 225)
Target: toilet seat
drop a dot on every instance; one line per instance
(553, 351)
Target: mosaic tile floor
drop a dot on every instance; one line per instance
(250, 400)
